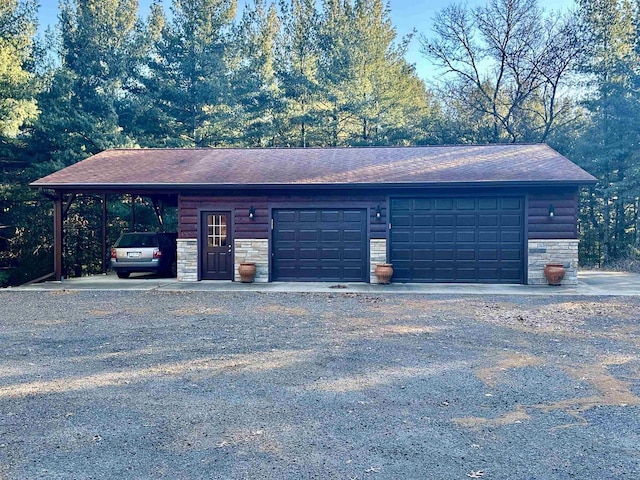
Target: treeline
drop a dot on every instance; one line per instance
(305, 73)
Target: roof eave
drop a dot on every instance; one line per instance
(113, 187)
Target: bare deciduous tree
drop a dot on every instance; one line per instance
(504, 64)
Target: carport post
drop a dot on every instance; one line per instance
(57, 236)
(104, 233)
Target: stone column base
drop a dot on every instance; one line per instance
(187, 260)
(542, 252)
(252, 250)
(377, 254)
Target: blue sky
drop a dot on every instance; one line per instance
(407, 15)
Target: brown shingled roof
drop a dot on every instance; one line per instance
(501, 163)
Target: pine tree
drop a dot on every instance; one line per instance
(370, 95)
(82, 105)
(298, 56)
(257, 96)
(188, 77)
(17, 86)
(609, 146)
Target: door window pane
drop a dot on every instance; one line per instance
(217, 230)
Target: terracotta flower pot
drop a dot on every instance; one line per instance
(554, 273)
(384, 272)
(247, 272)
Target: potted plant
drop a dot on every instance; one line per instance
(247, 271)
(554, 273)
(384, 272)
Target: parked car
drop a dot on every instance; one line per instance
(144, 252)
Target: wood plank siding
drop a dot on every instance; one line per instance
(539, 225)
(259, 227)
(563, 225)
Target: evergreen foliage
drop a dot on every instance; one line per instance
(609, 145)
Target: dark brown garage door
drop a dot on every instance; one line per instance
(320, 245)
(458, 240)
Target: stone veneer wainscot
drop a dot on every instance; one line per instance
(252, 250)
(377, 254)
(542, 252)
(187, 260)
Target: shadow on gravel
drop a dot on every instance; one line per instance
(243, 385)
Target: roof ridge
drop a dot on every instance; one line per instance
(357, 147)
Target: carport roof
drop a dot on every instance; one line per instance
(364, 166)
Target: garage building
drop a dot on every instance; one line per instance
(480, 214)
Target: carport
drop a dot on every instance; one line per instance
(64, 197)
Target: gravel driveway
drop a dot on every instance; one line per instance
(137, 385)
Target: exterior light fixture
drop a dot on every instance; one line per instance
(552, 211)
(252, 212)
(378, 212)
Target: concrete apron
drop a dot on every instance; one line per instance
(590, 282)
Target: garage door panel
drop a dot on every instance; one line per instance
(466, 220)
(354, 216)
(465, 236)
(398, 236)
(465, 274)
(328, 216)
(288, 235)
(487, 203)
(401, 220)
(288, 271)
(466, 204)
(286, 253)
(444, 220)
(308, 272)
(330, 254)
(327, 271)
(511, 236)
(471, 239)
(309, 253)
(308, 216)
(403, 265)
(352, 254)
(444, 204)
(422, 220)
(487, 220)
(308, 236)
(351, 274)
(403, 205)
(444, 236)
(403, 254)
(488, 254)
(287, 216)
(421, 204)
(513, 203)
(515, 255)
(488, 275)
(330, 235)
(420, 236)
(465, 254)
(320, 244)
(420, 254)
(356, 236)
(444, 274)
(511, 274)
(441, 254)
(510, 220)
(488, 236)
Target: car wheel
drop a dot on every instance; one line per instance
(123, 274)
